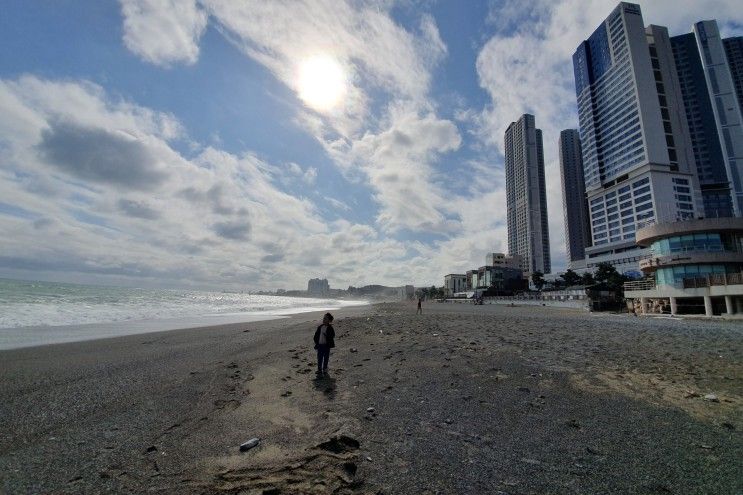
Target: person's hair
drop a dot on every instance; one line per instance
(328, 316)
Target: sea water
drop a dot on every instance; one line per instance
(35, 313)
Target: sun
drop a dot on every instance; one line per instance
(322, 82)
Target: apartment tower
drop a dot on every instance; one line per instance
(577, 225)
(700, 118)
(526, 197)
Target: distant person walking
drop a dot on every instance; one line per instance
(324, 341)
(420, 308)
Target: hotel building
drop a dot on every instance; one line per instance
(637, 163)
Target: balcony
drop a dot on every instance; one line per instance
(652, 262)
(639, 285)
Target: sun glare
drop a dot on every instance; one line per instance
(322, 82)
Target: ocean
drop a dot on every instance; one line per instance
(36, 313)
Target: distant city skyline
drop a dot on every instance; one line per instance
(216, 144)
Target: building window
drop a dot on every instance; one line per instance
(641, 182)
(641, 190)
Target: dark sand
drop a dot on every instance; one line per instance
(466, 399)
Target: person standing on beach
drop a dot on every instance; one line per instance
(324, 341)
(420, 308)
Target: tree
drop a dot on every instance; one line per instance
(571, 278)
(537, 278)
(587, 279)
(607, 275)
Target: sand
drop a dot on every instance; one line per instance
(463, 399)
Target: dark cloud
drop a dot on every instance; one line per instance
(238, 230)
(138, 209)
(273, 258)
(191, 194)
(43, 223)
(66, 262)
(101, 156)
(401, 139)
(214, 197)
(389, 178)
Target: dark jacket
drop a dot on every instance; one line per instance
(329, 336)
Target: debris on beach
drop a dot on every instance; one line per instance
(353, 349)
(711, 398)
(253, 442)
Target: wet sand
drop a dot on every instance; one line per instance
(463, 399)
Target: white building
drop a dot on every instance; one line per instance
(455, 282)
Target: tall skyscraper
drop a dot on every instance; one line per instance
(725, 106)
(526, 197)
(577, 225)
(634, 139)
(734, 52)
(710, 164)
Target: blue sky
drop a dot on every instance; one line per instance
(177, 143)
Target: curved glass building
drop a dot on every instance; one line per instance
(694, 266)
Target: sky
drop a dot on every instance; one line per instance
(254, 145)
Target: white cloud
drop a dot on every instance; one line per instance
(398, 164)
(310, 176)
(163, 32)
(219, 219)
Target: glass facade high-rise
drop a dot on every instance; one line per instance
(575, 209)
(637, 163)
(734, 52)
(705, 140)
(526, 196)
(725, 106)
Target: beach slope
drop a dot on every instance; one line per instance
(461, 399)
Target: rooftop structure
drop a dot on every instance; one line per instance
(500, 259)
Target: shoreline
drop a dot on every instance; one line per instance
(36, 336)
(512, 399)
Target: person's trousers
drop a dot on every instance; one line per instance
(323, 355)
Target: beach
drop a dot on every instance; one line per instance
(461, 399)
